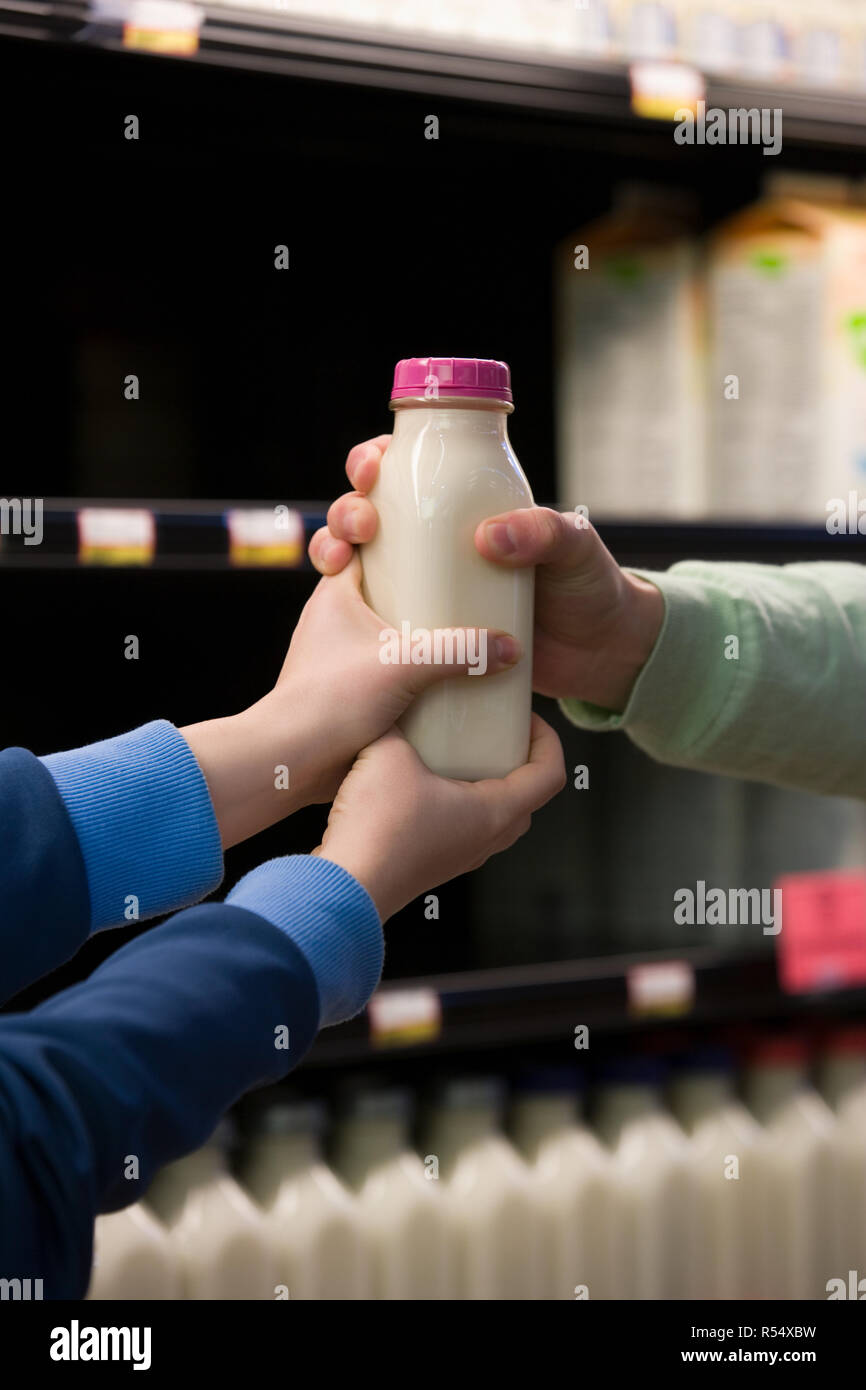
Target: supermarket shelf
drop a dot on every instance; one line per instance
(185, 536)
(193, 535)
(438, 66)
(492, 1009)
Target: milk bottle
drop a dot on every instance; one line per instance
(314, 1222)
(218, 1237)
(449, 466)
(724, 1223)
(402, 1209)
(850, 1191)
(842, 1064)
(651, 1184)
(573, 1190)
(842, 1081)
(132, 1257)
(798, 1170)
(488, 1192)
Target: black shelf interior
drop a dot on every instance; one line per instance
(507, 76)
(156, 256)
(494, 1010)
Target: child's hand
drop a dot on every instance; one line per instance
(400, 830)
(334, 696)
(334, 680)
(595, 624)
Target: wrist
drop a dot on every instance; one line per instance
(330, 919)
(623, 653)
(643, 617)
(364, 871)
(252, 767)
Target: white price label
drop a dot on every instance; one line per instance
(662, 987)
(404, 1015)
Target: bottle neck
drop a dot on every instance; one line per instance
(693, 1098)
(770, 1087)
(273, 1158)
(484, 421)
(365, 1144)
(535, 1117)
(837, 1076)
(177, 1180)
(454, 1130)
(619, 1105)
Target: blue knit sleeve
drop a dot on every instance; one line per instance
(44, 899)
(141, 810)
(330, 918)
(141, 1060)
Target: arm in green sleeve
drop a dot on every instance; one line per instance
(759, 671)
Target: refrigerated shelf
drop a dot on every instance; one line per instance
(433, 65)
(533, 1004)
(195, 535)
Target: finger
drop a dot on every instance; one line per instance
(538, 536)
(362, 462)
(349, 577)
(352, 518)
(327, 554)
(432, 656)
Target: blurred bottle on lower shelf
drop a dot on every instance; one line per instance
(133, 1257)
(798, 1166)
(402, 1209)
(841, 1068)
(725, 1220)
(651, 1181)
(842, 1081)
(489, 1193)
(572, 1184)
(313, 1221)
(219, 1238)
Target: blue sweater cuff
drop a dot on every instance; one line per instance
(142, 812)
(331, 919)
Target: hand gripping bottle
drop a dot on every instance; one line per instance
(448, 467)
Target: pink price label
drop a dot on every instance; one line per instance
(822, 944)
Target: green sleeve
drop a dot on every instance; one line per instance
(759, 671)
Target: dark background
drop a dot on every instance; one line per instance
(155, 257)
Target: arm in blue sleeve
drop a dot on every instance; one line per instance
(44, 898)
(141, 1060)
(118, 831)
(142, 812)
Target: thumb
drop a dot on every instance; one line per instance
(435, 655)
(564, 541)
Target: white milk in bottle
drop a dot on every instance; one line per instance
(133, 1257)
(723, 1237)
(651, 1184)
(218, 1236)
(403, 1210)
(314, 1222)
(842, 1081)
(572, 1174)
(448, 467)
(799, 1169)
(495, 1228)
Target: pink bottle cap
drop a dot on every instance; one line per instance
(452, 376)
